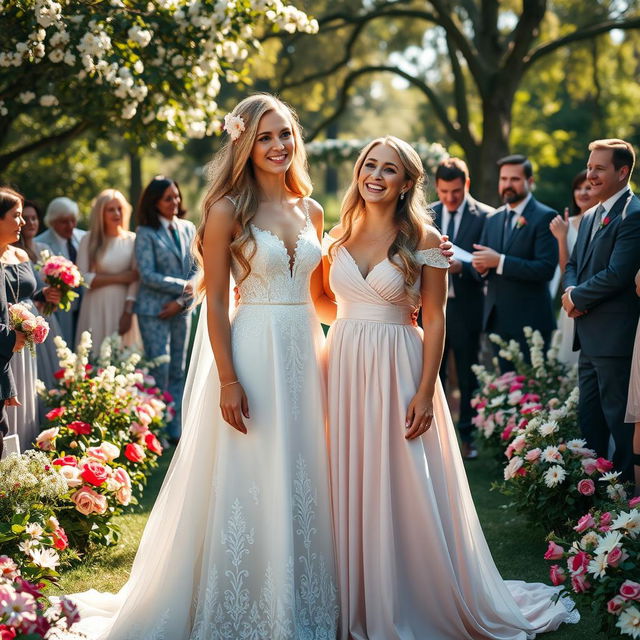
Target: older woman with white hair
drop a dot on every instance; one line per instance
(106, 258)
(62, 238)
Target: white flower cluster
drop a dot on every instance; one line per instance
(336, 150)
(161, 61)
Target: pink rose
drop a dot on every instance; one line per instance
(586, 522)
(46, 439)
(580, 583)
(630, 590)
(603, 465)
(28, 325)
(97, 453)
(94, 473)
(578, 563)
(121, 476)
(586, 487)
(54, 414)
(137, 429)
(506, 434)
(123, 496)
(40, 333)
(110, 450)
(634, 502)
(533, 454)
(88, 501)
(614, 606)
(616, 556)
(554, 551)
(153, 444)
(557, 574)
(588, 465)
(606, 518)
(66, 461)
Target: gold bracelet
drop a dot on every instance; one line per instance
(227, 384)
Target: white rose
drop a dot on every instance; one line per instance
(48, 101)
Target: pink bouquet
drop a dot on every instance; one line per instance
(35, 328)
(64, 275)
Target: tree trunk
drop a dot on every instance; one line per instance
(135, 177)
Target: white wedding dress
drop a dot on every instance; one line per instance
(239, 543)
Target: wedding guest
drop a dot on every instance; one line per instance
(600, 296)
(106, 258)
(62, 238)
(165, 263)
(10, 339)
(518, 256)
(21, 286)
(462, 218)
(565, 230)
(633, 401)
(48, 362)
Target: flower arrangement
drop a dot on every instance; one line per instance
(233, 125)
(101, 437)
(506, 401)
(521, 222)
(551, 476)
(35, 328)
(64, 275)
(602, 560)
(25, 613)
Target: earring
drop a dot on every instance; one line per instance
(402, 195)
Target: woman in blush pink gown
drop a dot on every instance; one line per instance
(413, 563)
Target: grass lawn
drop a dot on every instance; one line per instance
(517, 547)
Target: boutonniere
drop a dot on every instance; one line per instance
(604, 222)
(521, 222)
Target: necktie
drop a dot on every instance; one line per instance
(451, 226)
(597, 219)
(175, 236)
(71, 250)
(509, 225)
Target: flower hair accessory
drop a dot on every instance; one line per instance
(233, 125)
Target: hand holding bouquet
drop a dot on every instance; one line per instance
(35, 328)
(64, 275)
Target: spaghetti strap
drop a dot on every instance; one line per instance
(305, 208)
(231, 200)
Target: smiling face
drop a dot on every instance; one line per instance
(11, 224)
(112, 216)
(64, 225)
(31, 223)
(382, 176)
(513, 185)
(583, 196)
(274, 145)
(604, 178)
(168, 205)
(452, 192)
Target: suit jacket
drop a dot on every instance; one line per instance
(7, 342)
(164, 269)
(468, 286)
(602, 271)
(66, 319)
(520, 297)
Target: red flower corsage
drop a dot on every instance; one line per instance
(521, 221)
(605, 221)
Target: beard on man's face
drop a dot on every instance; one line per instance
(510, 195)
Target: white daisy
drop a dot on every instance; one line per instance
(610, 476)
(607, 542)
(554, 476)
(629, 622)
(34, 530)
(630, 521)
(547, 428)
(552, 454)
(45, 558)
(598, 566)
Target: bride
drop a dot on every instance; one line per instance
(239, 543)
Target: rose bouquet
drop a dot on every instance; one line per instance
(35, 328)
(25, 612)
(599, 566)
(61, 273)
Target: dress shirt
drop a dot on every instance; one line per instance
(444, 225)
(521, 206)
(63, 243)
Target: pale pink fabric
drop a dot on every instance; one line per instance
(633, 404)
(413, 562)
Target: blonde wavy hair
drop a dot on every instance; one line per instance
(97, 237)
(412, 212)
(231, 174)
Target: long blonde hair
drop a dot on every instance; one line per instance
(411, 215)
(97, 236)
(231, 174)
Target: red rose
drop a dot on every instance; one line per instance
(7, 633)
(79, 427)
(603, 465)
(66, 461)
(54, 414)
(59, 374)
(134, 452)
(60, 540)
(152, 443)
(94, 473)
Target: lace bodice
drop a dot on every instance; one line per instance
(274, 278)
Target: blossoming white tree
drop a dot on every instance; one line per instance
(151, 69)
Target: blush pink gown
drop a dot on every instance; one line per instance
(413, 563)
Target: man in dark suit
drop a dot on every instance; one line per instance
(600, 295)
(462, 218)
(518, 256)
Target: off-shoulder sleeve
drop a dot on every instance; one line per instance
(432, 258)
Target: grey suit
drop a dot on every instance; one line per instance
(165, 269)
(464, 310)
(602, 270)
(66, 319)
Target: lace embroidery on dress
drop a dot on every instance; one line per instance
(432, 258)
(289, 607)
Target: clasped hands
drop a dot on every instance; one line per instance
(568, 306)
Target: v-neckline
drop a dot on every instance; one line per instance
(291, 255)
(355, 264)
